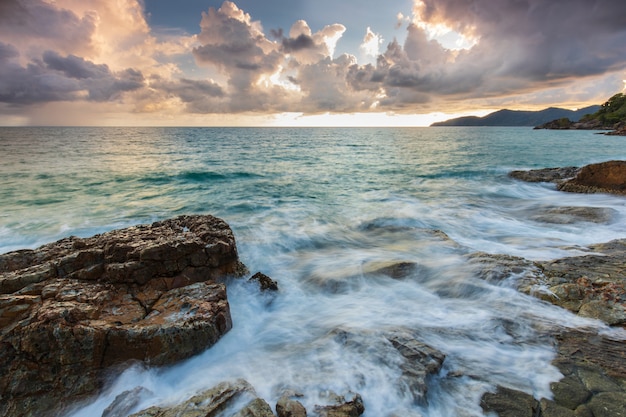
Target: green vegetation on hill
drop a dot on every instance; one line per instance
(611, 112)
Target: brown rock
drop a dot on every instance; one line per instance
(287, 407)
(266, 283)
(71, 309)
(605, 177)
(205, 404)
(352, 408)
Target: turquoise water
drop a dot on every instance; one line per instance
(314, 208)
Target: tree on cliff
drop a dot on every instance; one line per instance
(611, 112)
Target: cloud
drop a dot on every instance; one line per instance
(371, 43)
(519, 47)
(58, 78)
(41, 25)
(98, 51)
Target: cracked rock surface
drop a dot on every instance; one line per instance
(72, 310)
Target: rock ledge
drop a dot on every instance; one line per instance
(71, 309)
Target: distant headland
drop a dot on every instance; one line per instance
(519, 117)
(610, 116)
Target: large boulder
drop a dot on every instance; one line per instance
(73, 310)
(605, 177)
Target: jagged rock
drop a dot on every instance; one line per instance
(605, 177)
(343, 408)
(265, 282)
(78, 306)
(207, 403)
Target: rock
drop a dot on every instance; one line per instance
(606, 311)
(265, 282)
(397, 270)
(125, 402)
(255, 408)
(569, 215)
(590, 285)
(287, 407)
(605, 177)
(418, 361)
(207, 403)
(506, 402)
(570, 392)
(352, 408)
(551, 409)
(421, 361)
(546, 174)
(608, 404)
(78, 306)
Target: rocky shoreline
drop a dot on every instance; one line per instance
(77, 310)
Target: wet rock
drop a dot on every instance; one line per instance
(126, 402)
(207, 403)
(569, 215)
(605, 177)
(546, 174)
(420, 362)
(506, 402)
(551, 409)
(255, 408)
(79, 306)
(395, 270)
(606, 311)
(591, 285)
(288, 407)
(570, 392)
(343, 408)
(608, 404)
(266, 283)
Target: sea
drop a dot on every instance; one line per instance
(319, 209)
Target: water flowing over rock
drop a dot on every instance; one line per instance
(73, 309)
(545, 174)
(207, 403)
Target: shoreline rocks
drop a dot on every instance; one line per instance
(604, 177)
(72, 310)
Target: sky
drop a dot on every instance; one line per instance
(302, 63)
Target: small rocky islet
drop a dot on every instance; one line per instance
(83, 308)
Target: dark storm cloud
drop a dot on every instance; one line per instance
(57, 78)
